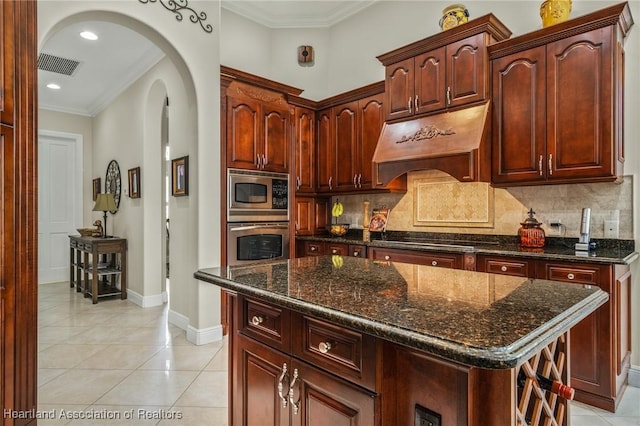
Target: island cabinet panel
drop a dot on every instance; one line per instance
(319, 248)
(258, 132)
(7, 62)
(506, 266)
(265, 322)
(304, 129)
(599, 343)
(557, 102)
(441, 260)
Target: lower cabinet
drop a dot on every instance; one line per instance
(442, 260)
(320, 248)
(272, 387)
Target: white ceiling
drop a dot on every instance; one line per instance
(109, 65)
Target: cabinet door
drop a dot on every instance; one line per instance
(320, 399)
(305, 150)
(275, 121)
(258, 372)
(591, 338)
(304, 215)
(370, 121)
(466, 71)
(344, 134)
(321, 218)
(7, 61)
(579, 106)
(399, 84)
(430, 81)
(244, 144)
(519, 117)
(325, 152)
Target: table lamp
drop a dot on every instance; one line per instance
(105, 203)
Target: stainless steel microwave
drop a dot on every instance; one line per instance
(257, 196)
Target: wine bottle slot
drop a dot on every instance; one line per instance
(554, 386)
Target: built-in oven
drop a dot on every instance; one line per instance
(257, 242)
(257, 196)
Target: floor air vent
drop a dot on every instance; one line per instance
(57, 64)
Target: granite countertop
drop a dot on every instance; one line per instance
(560, 249)
(474, 318)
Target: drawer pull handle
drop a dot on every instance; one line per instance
(281, 385)
(324, 347)
(503, 268)
(434, 263)
(356, 253)
(570, 276)
(387, 257)
(313, 248)
(334, 251)
(257, 320)
(295, 405)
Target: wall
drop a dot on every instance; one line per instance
(354, 43)
(80, 125)
(184, 43)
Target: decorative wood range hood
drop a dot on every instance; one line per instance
(455, 142)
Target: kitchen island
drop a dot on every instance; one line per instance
(341, 340)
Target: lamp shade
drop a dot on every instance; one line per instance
(105, 203)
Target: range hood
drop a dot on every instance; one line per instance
(456, 142)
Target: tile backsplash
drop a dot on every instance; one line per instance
(563, 203)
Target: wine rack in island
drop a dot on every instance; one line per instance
(98, 266)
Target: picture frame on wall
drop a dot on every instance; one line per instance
(134, 182)
(180, 176)
(97, 188)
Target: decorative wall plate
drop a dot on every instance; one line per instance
(112, 181)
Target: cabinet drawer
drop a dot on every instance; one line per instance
(503, 266)
(589, 274)
(441, 260)
(357, 250)
(341, 249)
(265, 322)
(313, 249)
(339, 350)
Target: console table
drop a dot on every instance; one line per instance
(97, 265)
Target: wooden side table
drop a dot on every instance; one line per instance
(97, 265)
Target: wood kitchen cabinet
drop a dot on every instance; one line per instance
(557, 99)
(312, 215)
(446, 70)
(258, 132)
(270, 386)
(347, 135)
(7, 62)
(601, 343)
(319, 248)
(304, 129)
(441, 260)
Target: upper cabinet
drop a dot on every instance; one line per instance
(347, 134)
(7, 62)
(304, 133)
(557, 102)
(446, 70)
(257, 129)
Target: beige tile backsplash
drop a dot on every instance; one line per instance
(510, 206)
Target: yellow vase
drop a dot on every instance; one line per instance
(454, 15)
(554, 11)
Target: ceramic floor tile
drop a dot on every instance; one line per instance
(210, 389)
(198, 416)
(182, 358)
(80, 386)
(66, 356)
(57, 334)
(149, 387)
(120, 357)
(103, 335)
(220, 361)
(623, 421)
(589, 421)
(45, 375)
(629, 405)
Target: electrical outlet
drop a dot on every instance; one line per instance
(611, 228)
(555, 228)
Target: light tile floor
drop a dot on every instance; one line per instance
(127, 365)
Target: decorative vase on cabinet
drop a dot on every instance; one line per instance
(554, 11)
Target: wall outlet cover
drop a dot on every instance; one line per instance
(611, 228)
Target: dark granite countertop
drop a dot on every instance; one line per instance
(560, 249)
(478, 319)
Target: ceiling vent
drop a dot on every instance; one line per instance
(57, 64)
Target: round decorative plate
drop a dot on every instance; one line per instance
(112, 181)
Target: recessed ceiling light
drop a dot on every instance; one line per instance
(88, 35)
(53, 86)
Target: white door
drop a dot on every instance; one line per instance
(59, 202)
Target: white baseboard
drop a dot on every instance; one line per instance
(634, 376)
(179, 320)
(205, 335)
(146, 301)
